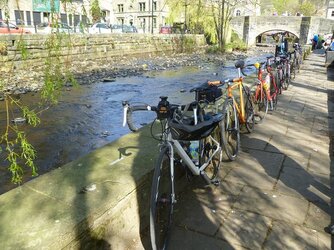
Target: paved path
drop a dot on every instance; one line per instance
(277, 194)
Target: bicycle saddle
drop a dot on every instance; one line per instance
(240, 64)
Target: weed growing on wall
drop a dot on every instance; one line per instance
(20, 154)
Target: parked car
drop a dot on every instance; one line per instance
(122, 28)
(10, 28)
(47, 28)
(99, 28)
(165, 30)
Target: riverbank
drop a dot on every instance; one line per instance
(92, 72)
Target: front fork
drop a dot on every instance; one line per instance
(172, 172)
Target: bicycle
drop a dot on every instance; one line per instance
(297, 59)
(178, 126)
(234, 112)
(283, 71)
(261, 94)
(266, 93)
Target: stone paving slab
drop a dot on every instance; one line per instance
(287, 236)
(273, 205)
(245, 228)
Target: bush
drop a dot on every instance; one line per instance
(236, 43)
(3, 49)
(213, 49)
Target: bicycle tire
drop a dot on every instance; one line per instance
(287, 77)
(207, 147)
(230, 130)
(293, 69)
(249, 110)
(161, 207)
(275, 100)
(274, 91)
(278, 81)
(261, 105)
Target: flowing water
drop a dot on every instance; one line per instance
(90, 116)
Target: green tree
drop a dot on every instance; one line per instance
(282, 6)
(95, 11)
(307, 9)
(211, 17)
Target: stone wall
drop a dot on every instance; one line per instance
(23, 58)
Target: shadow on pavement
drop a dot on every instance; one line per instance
(330, 105)
(295, 180)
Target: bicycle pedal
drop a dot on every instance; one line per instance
(215, 182)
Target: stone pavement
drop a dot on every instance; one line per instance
(278, 194)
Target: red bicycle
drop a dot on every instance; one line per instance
(266, 92)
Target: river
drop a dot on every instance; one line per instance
(90, 116)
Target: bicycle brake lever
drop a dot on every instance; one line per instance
(125, 111)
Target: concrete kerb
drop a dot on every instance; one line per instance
(95, 197)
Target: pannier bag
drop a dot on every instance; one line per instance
(208, 93)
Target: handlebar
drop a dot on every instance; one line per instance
(127, 113)
(164, 110)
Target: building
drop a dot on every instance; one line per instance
(34, 12)
(248, 8)
(147, 15)
(330, 10)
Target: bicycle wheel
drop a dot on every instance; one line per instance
(261, 105)
(287, 76)
(161, 208)
(274, 98)
(282, 76)
(293, 69)
(230, 130)
(278, 81)
(208, 146)
(249, 110)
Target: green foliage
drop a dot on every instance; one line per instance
(282, 6)
(213, 49)
(19, 152)
(95, 11)
(307, 8)
(22, 47)
(3, 49)
(236, 43)
(206, 17)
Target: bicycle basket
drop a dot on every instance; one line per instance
(186, 130)
(208, 93)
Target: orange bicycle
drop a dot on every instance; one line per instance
(236, 110)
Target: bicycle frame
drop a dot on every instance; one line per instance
(175, 146)
(238, 84)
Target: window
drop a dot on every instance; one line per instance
(332, 13)
(76, 20)
(120, 8)
(0, 14)
(37, 17)
(19, 17)
(70, 19)
(154, 6)
(154, 22)
(141, 7)
(28, 15)
(238, 13)
(63, 18)
(120, 21)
